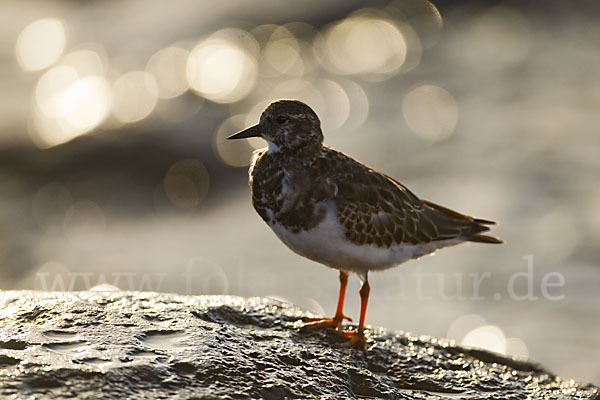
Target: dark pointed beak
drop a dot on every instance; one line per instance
(253, 131)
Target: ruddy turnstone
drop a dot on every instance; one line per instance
(332, 209)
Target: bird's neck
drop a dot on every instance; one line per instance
(307, 152)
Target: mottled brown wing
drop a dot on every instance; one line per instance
(375, 209)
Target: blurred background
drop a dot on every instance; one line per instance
(114, 168)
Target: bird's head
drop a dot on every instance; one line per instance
(286, 125)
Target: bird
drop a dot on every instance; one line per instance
(331, 208)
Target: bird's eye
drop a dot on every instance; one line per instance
(281, 119)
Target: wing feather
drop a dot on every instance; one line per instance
(376, 209)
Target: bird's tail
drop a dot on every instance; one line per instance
(480, 226)
(462, 226)
(484, 239)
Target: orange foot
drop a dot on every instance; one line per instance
(316, 323)
(357, 339)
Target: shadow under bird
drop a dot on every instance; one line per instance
(332, 209)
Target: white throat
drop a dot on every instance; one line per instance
(273, 148)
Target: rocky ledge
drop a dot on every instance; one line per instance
(115, 345)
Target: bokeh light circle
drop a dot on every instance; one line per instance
(89, 59)
(68, 105)
(168, 66)
(86, 103)
(40, 44)
(134, 96)
(489, 337)
(430, 111)
(281, 55)
(186, 183)
(50, 90)
(337, 104)
(362, 45)
(222, 69)
(49, 205)
(85, 223)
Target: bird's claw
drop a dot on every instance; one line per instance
(315, 319)
(316, 323)
(357, 339)
(320, 322)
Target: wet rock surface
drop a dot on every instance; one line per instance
(148, 345)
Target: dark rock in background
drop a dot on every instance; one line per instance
(113, 344)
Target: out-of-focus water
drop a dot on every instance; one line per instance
(114, 168)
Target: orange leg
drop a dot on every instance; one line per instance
(336, 321)
(358, 338)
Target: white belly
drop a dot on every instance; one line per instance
(327, 244)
